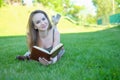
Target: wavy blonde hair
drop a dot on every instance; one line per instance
(32, 34)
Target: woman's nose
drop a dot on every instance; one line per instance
(42, 22)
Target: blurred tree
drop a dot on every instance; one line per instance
(64, 7)
(117, 4)
(90, 19)
(57, 5)
(1, 3)
(118, 1)
(74, 10)
(12, 1)
(104, 9)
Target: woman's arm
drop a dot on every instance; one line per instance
(55, 43)
(28, 42)
(56, 37)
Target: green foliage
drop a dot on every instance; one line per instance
(117, 6)
(104, 9)
(74, 10)
(1, 3)
(63, 7)
(73, 13)
(91, 19)
(107, 7)
(56, 5)
(118, 2)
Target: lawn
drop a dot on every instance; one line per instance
(91, 53)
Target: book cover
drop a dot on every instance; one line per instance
(40, 52)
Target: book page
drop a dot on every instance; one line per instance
(55, 48)
(41, 49)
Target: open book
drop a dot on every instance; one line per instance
(40, 52)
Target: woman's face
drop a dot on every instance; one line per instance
(40, 21)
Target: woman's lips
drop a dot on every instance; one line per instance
(43, 26)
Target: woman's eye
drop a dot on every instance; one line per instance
(37, 22)
(43, 19)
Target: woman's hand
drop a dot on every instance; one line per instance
(44, 61)
(54, 60)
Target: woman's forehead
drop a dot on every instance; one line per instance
(38, 16)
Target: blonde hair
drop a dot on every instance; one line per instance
(32, 33)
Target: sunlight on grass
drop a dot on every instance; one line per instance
(65, 26)
(13, 21)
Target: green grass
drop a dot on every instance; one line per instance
(89, 55)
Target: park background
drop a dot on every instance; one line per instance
(90, 35)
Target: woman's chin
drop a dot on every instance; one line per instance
(43, 29)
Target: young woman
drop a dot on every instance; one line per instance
(42, 34)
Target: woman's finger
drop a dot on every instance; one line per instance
(41, 60)
(49, 62)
